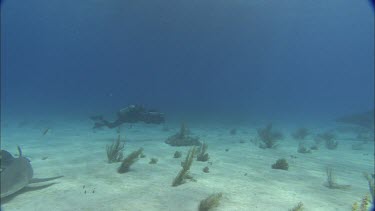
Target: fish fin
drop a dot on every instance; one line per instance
(37, 180)
(19, 151)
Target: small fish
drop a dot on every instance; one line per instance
(46, 131)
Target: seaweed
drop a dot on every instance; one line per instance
(298, 207)
(281, 164)
(331, 182)
(210, 202)
(203, 156)
(115, 151)
(269, 137)
(370, 181)
(183, 175)
(182, 138)
(129, 160)
(300, 134)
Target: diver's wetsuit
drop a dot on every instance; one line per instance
(131, 114)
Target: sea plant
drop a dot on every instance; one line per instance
(183, 175)
(281, 164)
(269, 137)
(206, 169)
(177, 154)
(115, 151)
(298, 207)
(364, 205)
(183, 138)
(300, 134)
(203, 155)
(331, 181)
(153, 161)
(370, 181)
(303, 149)
(210, 202)
(129, 160)
(329, 138)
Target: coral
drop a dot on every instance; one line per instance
(281, 164)
(203, 156)
(129, 160)
(331, 183)
(268, 137)
(153, 161)
(184, 172)
(177, 154)
(355, 206)
(298, 207)
(206, 169)
(370, 180)
(303, 149)
(331, 144)
(300, 134)
(329, 138)
(210, 202)
(182, 138)
(365, 204)
(115, 151)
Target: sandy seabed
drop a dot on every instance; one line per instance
(238, 168)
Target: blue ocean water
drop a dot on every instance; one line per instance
(294, 62)
(297, 58)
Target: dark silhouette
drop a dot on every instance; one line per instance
(130, 114)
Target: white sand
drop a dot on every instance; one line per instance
(243, 173)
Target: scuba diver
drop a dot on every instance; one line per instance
(130, 114)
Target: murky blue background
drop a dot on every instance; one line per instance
(297, 59)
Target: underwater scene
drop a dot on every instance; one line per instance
(190, 105)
